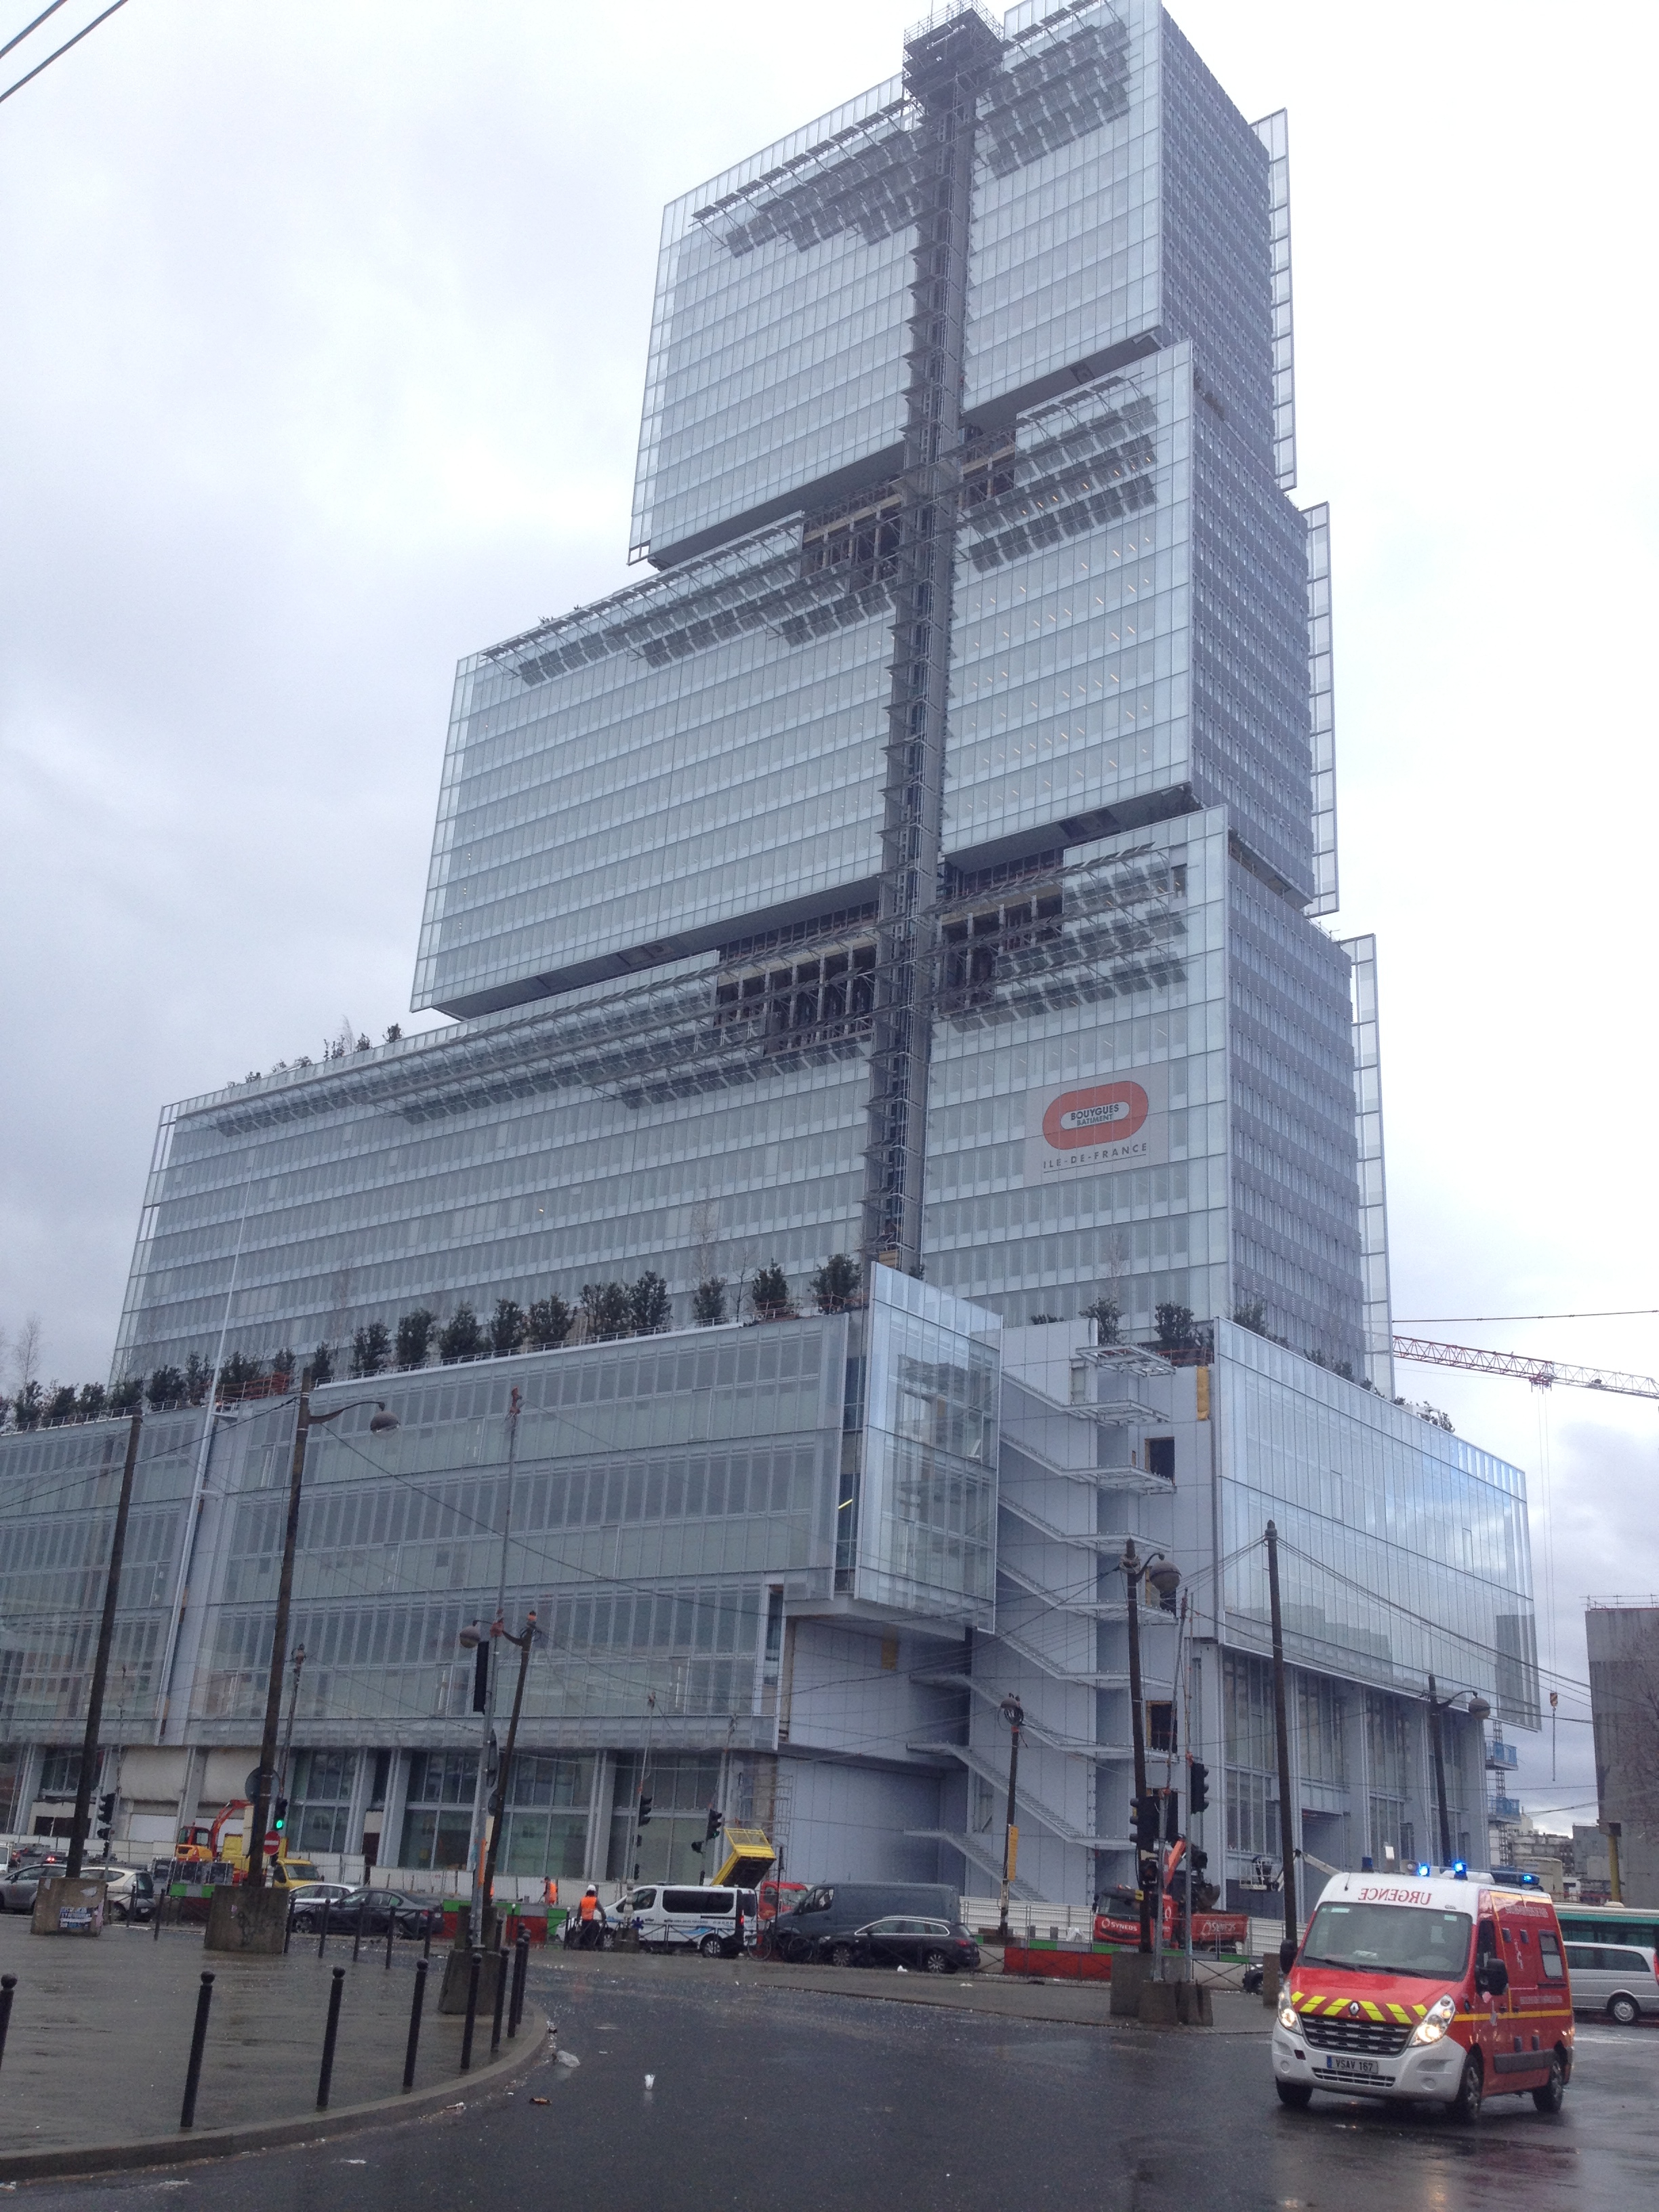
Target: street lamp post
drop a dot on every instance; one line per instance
(1131, 1571)
(305, 1421)
(480, 1783)
(498, 1803)
(1014, 1713)
(1164, 1576)
(100, 1662)
(292, 1708)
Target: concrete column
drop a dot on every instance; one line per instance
(392, 1820)
(599, 1806)
(28, 1782)
(362, 1778)
(189, 1790)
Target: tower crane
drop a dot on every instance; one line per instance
(1524, 1366)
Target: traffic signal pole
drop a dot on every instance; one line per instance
(100, 1664)
(1282, 1731)
(1132, 1567)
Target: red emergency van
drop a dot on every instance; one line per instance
(1447, 1988)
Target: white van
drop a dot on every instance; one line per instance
(1616, 1978)
(670, 1917)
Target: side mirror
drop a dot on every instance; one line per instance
(1287, 1951)
(1492, 1977)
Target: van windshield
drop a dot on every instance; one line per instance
(1390, 1939)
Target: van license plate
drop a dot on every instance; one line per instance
(1335, 2065)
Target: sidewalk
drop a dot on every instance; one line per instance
(1006, 1997)
(101, 2033)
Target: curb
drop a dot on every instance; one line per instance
(886, 1989)
(184, 2147)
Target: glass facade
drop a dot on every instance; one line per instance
(1403, 1548)
(659, 852)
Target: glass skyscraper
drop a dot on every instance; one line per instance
(924, 862)
(964, 762)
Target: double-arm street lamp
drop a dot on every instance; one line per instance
(1014, 1713)
(1165, 1578)
(483, 1935)
(305, 1421)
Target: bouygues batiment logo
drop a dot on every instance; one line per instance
(1094, 1127)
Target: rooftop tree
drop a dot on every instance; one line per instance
(414, 1337)
(507, 1327)
(548, 1323)
(769, 1295)
(461, 1337)
(836, 1285)
(648, 1308)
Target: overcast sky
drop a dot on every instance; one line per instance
(322, 330)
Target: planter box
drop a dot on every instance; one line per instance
(1067, 1962)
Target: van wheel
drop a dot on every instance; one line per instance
(935, 1962)
(840, 1955)
(710, 1947)
(1548, 2099)
(1296, 2094)
(1466, 2104)
(1624, 2010)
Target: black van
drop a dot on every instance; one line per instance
(837, 1908)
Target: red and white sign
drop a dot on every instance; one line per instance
(1097, 1127)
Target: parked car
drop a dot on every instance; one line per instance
(1615, 1979)
(19, 1884)
(377, 1906)
(306, 1900)
(841, 1908)
(670, 1917)
(934, 1946)
(129, 1892)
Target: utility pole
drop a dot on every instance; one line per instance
(1138, 1732)
(304, 1421)
(1282, 1730)
(1014, 1713)
(1435, 1710)
(486, 1940)
(117, 1544)
(480, 1787)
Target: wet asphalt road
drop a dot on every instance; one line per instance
(766, 2098)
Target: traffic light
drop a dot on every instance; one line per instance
(105, 1813)
(645, 1812)
(715, 1824)
(1171, 1816)
(279, 1815)
(481, 1677)
(1144, 1812)
(1197, 1784)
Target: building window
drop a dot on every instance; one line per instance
(60, 1773)
(1160, 1456)
(1160, 1727)
(320, 1801)
(438, 1818)
(682, 1788)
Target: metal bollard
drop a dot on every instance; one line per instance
(520, 1966)
(473, 1965)
(357, 1932)
(8, 1986)
(198, 2045)
(322, 1940)
(416, 2003)
(330, 2035)
(501, 2002)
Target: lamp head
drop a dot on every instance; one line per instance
(1479, 1709)
(1164, 1576)
(381, 1422)
(1012, 1712)
(470, 1637)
